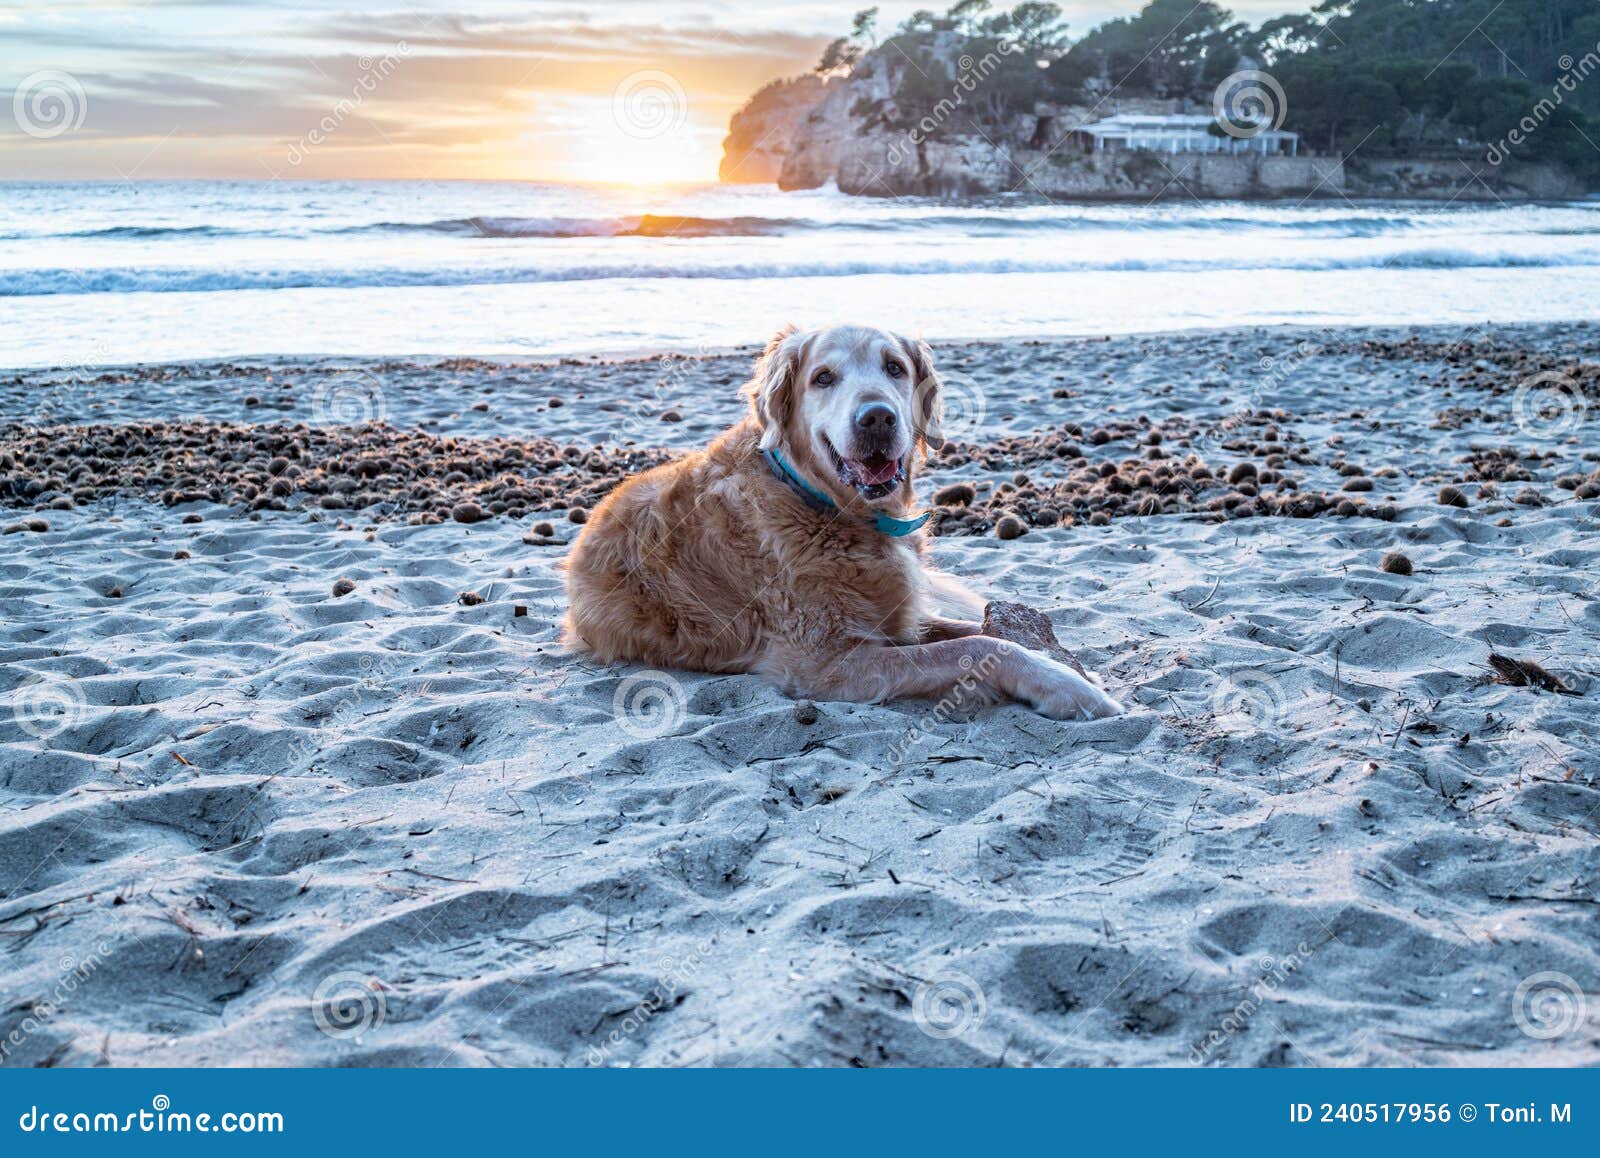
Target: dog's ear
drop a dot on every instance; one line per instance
(927, 393)
(772, 389)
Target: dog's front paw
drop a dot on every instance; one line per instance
(1063, 694)
(1104, 707)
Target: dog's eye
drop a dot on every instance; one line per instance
(822, 378)
(894, 369)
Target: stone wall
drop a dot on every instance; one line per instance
(1464, 179)
(1147, 176)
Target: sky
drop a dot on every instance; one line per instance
(625, 91)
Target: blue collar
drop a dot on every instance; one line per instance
(821, 503)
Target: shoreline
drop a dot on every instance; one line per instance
(636, 355)
(679, 316)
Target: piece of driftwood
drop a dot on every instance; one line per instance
(1524, 673)
(1020, 623)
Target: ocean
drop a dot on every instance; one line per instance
(97, 274)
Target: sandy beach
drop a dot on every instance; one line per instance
(251, 815)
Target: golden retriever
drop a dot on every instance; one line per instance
(789, 547)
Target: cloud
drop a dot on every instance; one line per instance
(177, 88)
(234, 95)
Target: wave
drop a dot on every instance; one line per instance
(644, 225)
(145, 232)
(973, 221)
(46, 282)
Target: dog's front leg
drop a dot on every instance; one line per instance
(936, 628)
(872, 671)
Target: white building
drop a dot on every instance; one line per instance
(1180, 134)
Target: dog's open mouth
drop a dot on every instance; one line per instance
(871, 477)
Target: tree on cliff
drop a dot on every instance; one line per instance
(864, 26)
(1391, 78)
(966, 70)
(845, 53)
(1173, 48)
(839, 57)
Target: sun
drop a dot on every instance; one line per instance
(611, 156)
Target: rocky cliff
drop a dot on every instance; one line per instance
(760, 134)
(805, 133)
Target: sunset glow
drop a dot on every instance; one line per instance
(424, 91)
(606, 153)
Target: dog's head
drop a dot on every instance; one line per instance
(850, 407)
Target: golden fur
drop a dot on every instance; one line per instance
(713, 563)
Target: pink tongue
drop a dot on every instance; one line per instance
(878, 474)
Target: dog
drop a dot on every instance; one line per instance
(789, 546)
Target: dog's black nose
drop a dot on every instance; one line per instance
(875, 418)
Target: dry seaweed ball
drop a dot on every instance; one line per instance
(1395, 564)
(469, 598)
(1452, 496)
(546, 530)
(1099, 519)
(578, 514)
(1242, 471)
(180, 555)
(671, 416)
(955, 495)
(1010, 527)
(467, 513)
(1357, 483)
(343, 587)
